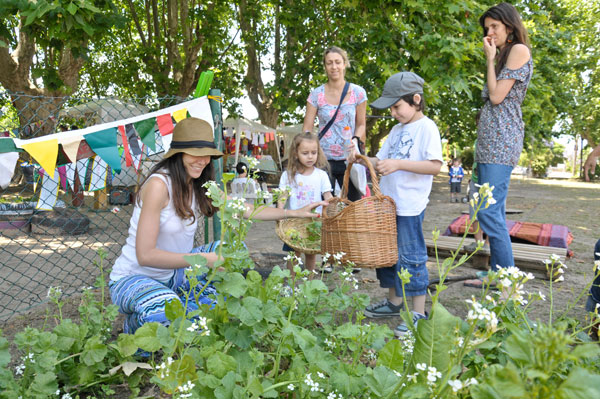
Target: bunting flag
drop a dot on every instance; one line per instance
(87, 142)
(99, 174)
(82, 166)
(62, 175)
(146, 131)
(180, 115)
(132, 137)
(48, 192)
(71, 148)
(165, 124)
(104, 143)
(44, 153)
(159, 144)
(128, 160)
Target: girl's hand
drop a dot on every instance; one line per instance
(489, 48)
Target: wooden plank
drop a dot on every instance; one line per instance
(527, 256)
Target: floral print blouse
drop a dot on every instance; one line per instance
(334, 140)
(500, 130)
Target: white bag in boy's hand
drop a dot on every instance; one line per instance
(358, 174)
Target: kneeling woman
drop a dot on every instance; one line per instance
(149, 273)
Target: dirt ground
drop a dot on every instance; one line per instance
(564, 202)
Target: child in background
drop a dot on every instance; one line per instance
(304, 180)
(408, 160)
(456, 175)
(474, 188)
(242, 176)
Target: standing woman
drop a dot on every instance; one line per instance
(149, 273)
(347, 124)
(500, 129)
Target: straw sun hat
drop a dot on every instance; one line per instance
(193, 136)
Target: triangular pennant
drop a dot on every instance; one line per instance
(145, 129)
(71, 147)
(48, 193)
(104, 143)
(99, 173)
(125, 146)
(8, 145)
(82, 166)
(45, 153)
(180, 115)
(159, 144)
(165, 124)
(62, 174)
(70, 169)
(133, 139)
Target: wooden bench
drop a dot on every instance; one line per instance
(528, 257)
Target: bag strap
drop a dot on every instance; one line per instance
(328, 125)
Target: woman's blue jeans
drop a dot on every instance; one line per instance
(493, 219)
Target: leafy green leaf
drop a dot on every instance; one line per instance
(145, 337)
(219, 364)
(392, 355)
(174, 309)
(432, 337)
(252, 311)
(382, 382)
(579, 384)
(126, 345)
(94, 351)
(233, 284)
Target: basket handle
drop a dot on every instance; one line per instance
(374, 179)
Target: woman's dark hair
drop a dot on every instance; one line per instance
(241, 168)
(174, 168)
(509, 16)
(410, 99)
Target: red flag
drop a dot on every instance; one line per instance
(165, 124)
(128, 160)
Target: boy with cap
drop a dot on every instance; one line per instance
(407, 161)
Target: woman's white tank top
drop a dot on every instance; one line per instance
(174, 235)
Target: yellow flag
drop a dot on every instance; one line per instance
(45, 153)
(179, 115)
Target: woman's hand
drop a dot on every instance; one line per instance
(306, 212)
(489, 48)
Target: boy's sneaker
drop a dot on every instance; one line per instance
(382, 309)
(403, 327)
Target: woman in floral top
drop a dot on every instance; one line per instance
(500, 130)
(350, 121)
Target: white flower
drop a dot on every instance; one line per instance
(321, 375)
(421, 366)
(542, 296)
(559, 278)
(66, 396)
(456, 385)
(290, 387)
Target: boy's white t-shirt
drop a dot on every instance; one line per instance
(416, 141)
(305, 189)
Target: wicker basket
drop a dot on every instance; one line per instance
(365, 230)
(299, 224)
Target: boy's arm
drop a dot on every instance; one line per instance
(387, 166)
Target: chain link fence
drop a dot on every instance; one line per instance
(51, 239)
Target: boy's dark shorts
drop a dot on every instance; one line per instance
(455, 187)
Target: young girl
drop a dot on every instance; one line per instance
(305, 180)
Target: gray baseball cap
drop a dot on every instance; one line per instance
(398, 85)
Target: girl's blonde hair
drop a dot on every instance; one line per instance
(294, 166)
(337, 50)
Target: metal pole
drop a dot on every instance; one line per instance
(217, 113)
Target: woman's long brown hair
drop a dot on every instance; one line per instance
(294, 166)
(509, 16)
(182, 190)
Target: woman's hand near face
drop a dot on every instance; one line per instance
(489, 48)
